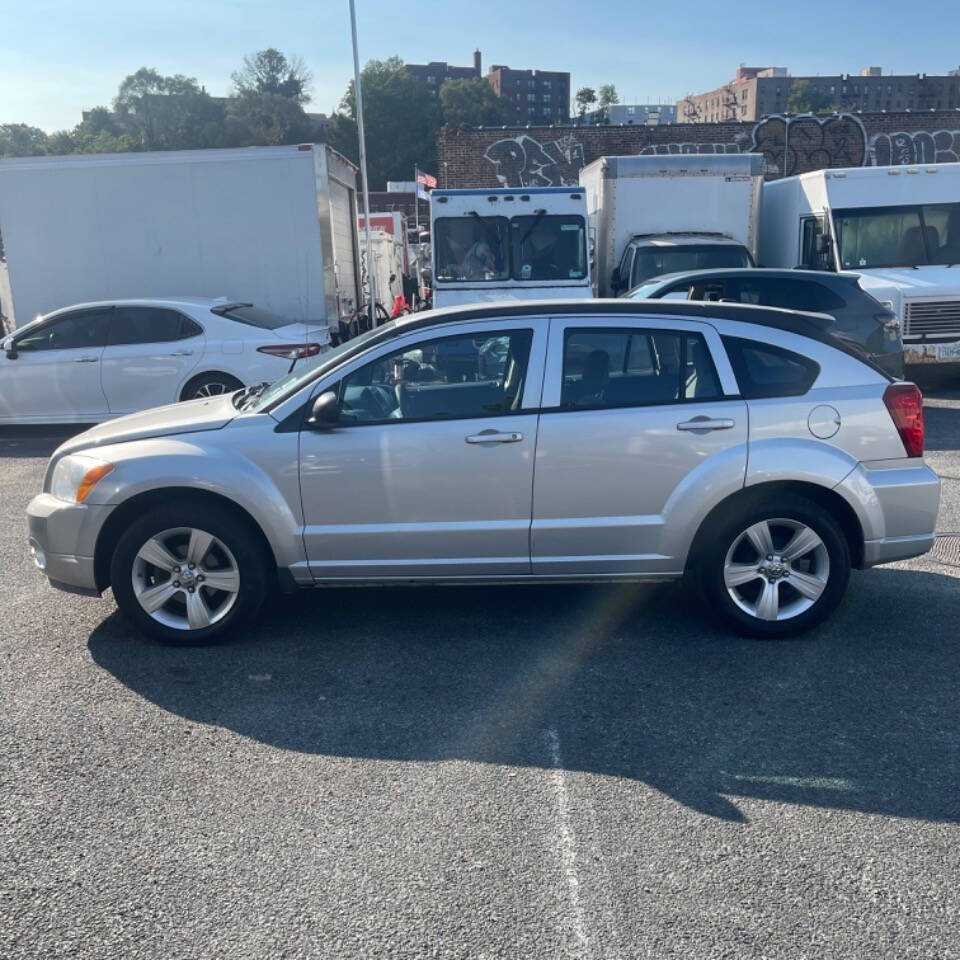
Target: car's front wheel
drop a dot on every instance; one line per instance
(189, 572)
(776, 568)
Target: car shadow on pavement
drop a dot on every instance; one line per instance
(626, 682)
(36, 441)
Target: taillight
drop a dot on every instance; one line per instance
(905, 403)
(291, 351)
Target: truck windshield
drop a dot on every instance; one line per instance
(471, 248)
(657, 261)
(908, 236)
(548, 247)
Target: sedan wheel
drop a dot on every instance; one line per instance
(185, 578)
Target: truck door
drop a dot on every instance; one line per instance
(343, 228)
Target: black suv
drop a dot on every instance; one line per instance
(858, 317)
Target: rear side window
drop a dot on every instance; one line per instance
(766, 371)
(790, 294)
(129, 325)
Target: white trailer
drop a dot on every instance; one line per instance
(276, 226)
(506, 243)
(652, 215)
(387, 250)
(897, 228)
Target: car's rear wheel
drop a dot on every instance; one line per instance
(189, 573)
(776, 568)
(210, 385)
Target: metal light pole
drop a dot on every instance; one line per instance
(371, 279)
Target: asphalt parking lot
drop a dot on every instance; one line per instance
(485, 772)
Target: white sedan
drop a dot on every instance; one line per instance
(93, 361)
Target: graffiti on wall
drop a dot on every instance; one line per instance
(525, 162)
(789, 145)
(897, 149)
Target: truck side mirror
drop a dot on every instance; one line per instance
(10, 348)
(615, 284)
(325, 412)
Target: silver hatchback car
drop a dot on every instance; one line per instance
(741, 447)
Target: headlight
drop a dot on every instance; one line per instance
(75, 476)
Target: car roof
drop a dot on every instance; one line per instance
(685, 237)
(779, 273)
(195, 302)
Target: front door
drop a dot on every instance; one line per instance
(637, 430)
(55, 375)
(429, 472)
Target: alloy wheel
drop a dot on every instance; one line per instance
(776, 569)
(212, 388)
(186, 578)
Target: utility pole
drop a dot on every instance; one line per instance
(371, 279)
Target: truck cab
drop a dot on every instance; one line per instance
(654, 255)
(524, 243)
(896, 228)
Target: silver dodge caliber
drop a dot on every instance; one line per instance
(741, 447)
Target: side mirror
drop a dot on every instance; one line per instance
(615, 280)
(325, 412)
(10, 348)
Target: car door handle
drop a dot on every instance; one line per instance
(86, 360)
(706, 423)
(182, 353)
(493, 436)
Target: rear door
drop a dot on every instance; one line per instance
(343, 224)
(149, 354)
(639, 428)
(56, 373)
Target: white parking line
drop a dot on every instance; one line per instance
(567, 844)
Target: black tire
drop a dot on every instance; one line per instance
(209, 384)
(726, 534)
(232, 530)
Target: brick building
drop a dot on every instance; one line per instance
(535, 96)
(433, 74)
(552, 156)
(757, 92)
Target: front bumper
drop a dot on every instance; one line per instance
(63, 539)
(897, 502)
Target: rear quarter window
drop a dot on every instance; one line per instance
(763, 370)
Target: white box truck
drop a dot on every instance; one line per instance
(898, 228)
(653, 215)
(506, 243)
(275, 226)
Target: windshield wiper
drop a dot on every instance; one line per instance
(243, 399)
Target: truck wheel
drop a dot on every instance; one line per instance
(189, 572)
(210, 385)
(775, 568)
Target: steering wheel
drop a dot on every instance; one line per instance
(373, 399)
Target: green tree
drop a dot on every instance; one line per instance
(805, 98)
(471, 102)
(21, 140)
(401, 121)
(265, 119)
(585, 98)
(269, 71)
(607, 95)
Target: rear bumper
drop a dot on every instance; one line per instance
(63, 538)
(897, 503)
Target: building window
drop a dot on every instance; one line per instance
(546, 97)
(531, 97)
(531, 84)
(546, 111)
(546, 84)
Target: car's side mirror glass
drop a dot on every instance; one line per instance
(325, 412)
(10, 348)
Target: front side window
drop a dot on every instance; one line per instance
(78, 331)
(907, 236)
(549, 247)
(469, 376)
(471, 248)
(658, 261)
(766, 371)
(813, 255)
(630, 367)
(131, 325)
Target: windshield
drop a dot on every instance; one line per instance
(907, 236)
(252, 316)
(548, 247)
(657, 261)
(471, 248)
(302, 373)
(646, 290)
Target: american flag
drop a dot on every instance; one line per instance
(425, 180)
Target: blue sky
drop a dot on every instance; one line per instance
(57, 58)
